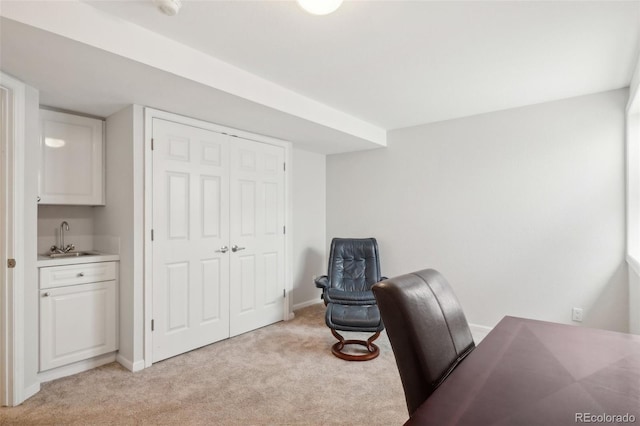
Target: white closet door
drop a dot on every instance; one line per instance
(257, 228)
(191, 225)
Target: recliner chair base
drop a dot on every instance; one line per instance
(373, 350)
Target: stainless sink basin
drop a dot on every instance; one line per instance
(72, 254)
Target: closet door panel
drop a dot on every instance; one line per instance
(257, 230)
(212, 192)
(191, 225)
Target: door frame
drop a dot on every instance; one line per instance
(12, 141)
(149, 115)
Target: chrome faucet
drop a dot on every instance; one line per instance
(64, 226)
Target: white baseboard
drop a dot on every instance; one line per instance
(129, 365)
(305, 304)
(479, 332)
(76, 367)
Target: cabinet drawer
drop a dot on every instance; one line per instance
(59, 276)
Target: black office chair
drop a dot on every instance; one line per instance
(427, 329)
(354, 266)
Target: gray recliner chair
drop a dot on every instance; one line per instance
(427, 329)
(354, 267)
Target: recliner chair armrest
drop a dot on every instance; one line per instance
(322, 282)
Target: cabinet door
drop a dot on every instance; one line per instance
(76, 323)
(71, 159)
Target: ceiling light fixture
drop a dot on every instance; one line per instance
(320, 7)
(169, 7)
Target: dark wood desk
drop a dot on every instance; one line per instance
(528, 372)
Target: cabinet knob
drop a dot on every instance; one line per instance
(47, 294)
(39, 198)
(81, 274)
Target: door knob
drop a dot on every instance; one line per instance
(235, 248)
(47, 294)
(223, 249)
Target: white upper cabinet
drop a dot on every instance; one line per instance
(71, 159)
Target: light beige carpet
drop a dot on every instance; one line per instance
(278, 375)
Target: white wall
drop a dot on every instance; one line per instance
(80, 220)
(633, 214)
(633, 199)
(119, 225)
(309, 230)
(522, 210)
(634, 300)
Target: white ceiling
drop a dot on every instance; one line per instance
(332, 83)
(76, 77)
(403, 63)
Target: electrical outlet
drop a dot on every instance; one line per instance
(576, 314)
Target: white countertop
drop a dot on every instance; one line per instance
(44, 260)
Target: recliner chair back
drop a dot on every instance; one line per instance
(354, 264)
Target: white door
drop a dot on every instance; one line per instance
(4, 122)
(12, 225)
(191, 229)
(257, 235)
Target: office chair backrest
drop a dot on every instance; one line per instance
(427, 328)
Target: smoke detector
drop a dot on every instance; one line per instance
(169, 7)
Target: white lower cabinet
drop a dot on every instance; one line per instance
(77, 321)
